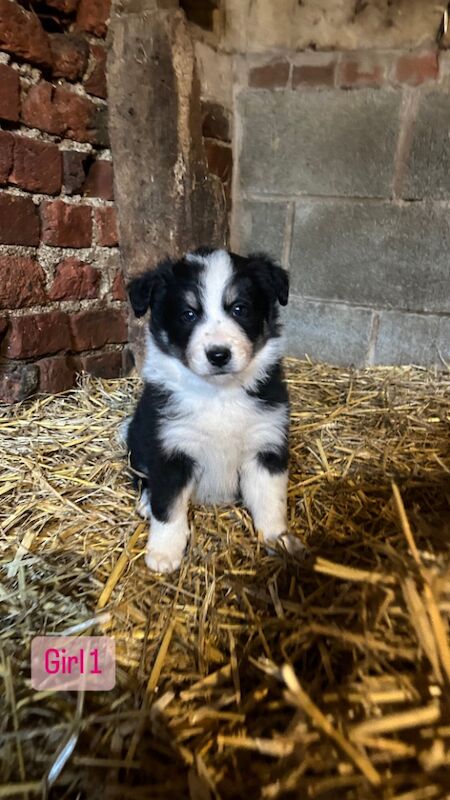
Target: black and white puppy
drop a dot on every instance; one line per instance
(212, 421)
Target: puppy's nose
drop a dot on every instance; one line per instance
(218, 356)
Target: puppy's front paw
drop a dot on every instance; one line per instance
(288, 542)
(166, 545)
(144, 508)
(159, 561)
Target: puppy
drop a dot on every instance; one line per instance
(212, 422)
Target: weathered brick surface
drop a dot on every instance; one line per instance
(19, 220)
(66, 225)
(416, 68)
(313, 75)
(21, 33)
(106, 221)
(70, 55)
(56, 374)
(75, 166)
(93, 16)
(427, 172)
(374, 254)
(22, 282)
(37, 165)
(74, 280)
(118, 291)
(17, 381)
(361, 72)
(99, 181)
(260, 226)
(60, 111)
(273, 75)
(93, 329)
(327, 331)
(9, 93)
(6, 155)
(95, 80)
(321, 143)
(103, 365)
(36, 335)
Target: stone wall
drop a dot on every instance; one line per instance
(343, 175)
(62, 299)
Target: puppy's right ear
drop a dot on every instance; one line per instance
(140, 292)
(142, 289)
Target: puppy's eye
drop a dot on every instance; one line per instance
(239, 310)
(189, 315)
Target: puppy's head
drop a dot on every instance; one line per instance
(212, 309)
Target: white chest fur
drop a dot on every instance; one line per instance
(216, 423)
(221, 432)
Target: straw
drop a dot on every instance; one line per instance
(247, 674)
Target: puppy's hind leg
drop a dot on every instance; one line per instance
(170, 490)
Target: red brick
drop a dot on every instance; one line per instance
(106, 220)
(6, 155)
(17, 382)
(22, 34)
(355, 73)
(95, 81)
(103, 365)
(93, 16)
(57, 110)
(74, 167)
(19, 220)
(70, 55)
(74, 280)
(99, 181)
(95, 328)
(313, 75)
(22, 281)
(64, 6)
(37, 165)
(9, 93)
(118, 291)
(37, 335)
(416, 68)
(65, 225)
(56, 374)
(40, 111)
(274, 75)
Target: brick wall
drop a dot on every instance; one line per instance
(62, 299)
(343, 173)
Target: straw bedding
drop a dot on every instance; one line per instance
(246, 674)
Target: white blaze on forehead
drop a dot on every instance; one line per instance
(216, 327)
(216, 276)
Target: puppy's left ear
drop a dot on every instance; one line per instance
(275, 279)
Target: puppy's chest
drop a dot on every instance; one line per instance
(220, 434)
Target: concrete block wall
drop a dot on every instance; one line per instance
(62, 300)
(342, 173)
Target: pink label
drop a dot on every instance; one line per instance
(73, 662)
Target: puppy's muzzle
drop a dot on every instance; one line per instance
(218, 356)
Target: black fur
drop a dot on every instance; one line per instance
(165, 476)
